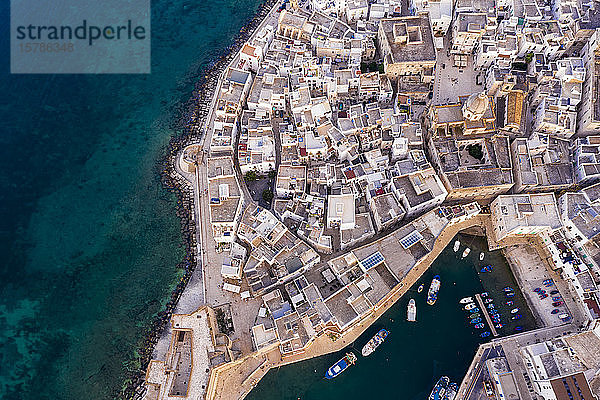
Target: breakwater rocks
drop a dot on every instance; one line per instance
(189, 125)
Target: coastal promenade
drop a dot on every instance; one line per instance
(235, 380)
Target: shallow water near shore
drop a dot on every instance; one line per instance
(90, 239)
(414, 355)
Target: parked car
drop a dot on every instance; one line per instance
(543, 296)
(557, 303)
(555, 311)
(537, 290)
(554, 292)
(556, 298)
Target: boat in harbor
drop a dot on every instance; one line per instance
(411, 311)
(470, 306)
(340, 366)
(484, 294)
(479, 325)
(514, 310)
(474, 315)
(487, 268)
(466, 300)
(440, 388)
(508, 289)
(433, 290)
(488, 300)
(421, 287)
(476, 321)
(452, 391)
(485, 334)
(481, 256)
(515, 317)
(456, 246)
(466, 252)
(510, 303)
(474, 310)
(374, 343)
(510, 294)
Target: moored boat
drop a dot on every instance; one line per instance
(433, 290)
(340, 366)
(514, 310)
(440, 388)
(485, 334)
(452, 391)
(508, 289)
(411, 311)
(420, 289)
(474, 310)
(484, 294)
(466, 252)
(374, 343)
(456, 246)
(470, 306)
(487, 268)
(479, 326)
(481, 256)
(474, 315)
(466, 300)
(476, 321)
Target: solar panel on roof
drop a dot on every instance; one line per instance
(372, 260)
(410, 239)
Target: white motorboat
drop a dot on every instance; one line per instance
(466, 300)
(466, 252)
(456, 246)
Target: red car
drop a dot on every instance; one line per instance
(543, 296)
(557, 303)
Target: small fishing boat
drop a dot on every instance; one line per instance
(516, 317)
(485, 334)
(374, 342)
(421, 287)
(490, 306)
(510, 294)
(475, 321)
(498, 326)
(340, 366)
(433, 290)
(466, 300)
(508, 289)
(456, 246)
(510, 303)
(479, 326)
(484, 294)
(411, 312)
(474, 310)
(466, 252)
(474, 315)
(481, 256)
(518, 328)
(514, 310)
(488, 300)
(470, 306)
(487, 268)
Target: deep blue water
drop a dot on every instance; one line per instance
(89, 238)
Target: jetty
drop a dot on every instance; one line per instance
(486, 314)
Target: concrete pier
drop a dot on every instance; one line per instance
(485, 313)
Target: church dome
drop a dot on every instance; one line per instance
(475, 106)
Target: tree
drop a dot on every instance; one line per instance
(528, 57)
(475, 151)
(251, 176)
(267, 195)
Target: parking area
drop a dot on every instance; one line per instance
(530, 272)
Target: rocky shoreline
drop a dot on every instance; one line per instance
(191, 119)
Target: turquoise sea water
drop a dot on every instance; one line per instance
(414, 355)
(89, 239)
